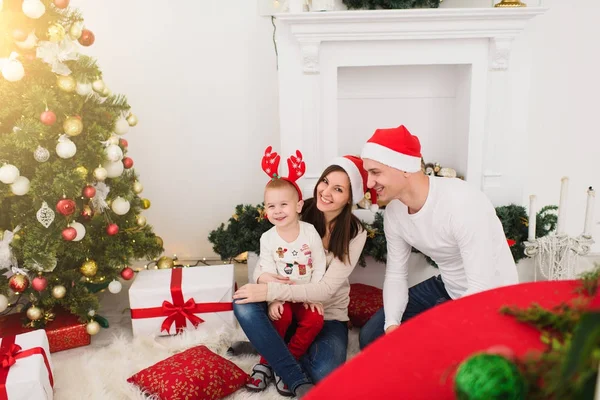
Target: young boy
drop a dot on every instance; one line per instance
(293, 249)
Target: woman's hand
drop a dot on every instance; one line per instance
(251, 293)
(267, 277)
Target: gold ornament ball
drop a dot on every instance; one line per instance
(98, 86)
(165, 262)
(159, 241)
(59, 291)
(76, 30)
(56, 33)
(82, 171)
(140, 221)
(138, 187)
(145, 204)
(73, 126)
(89, 268)
(132, 120)
(92, 328)
(34, 313)
(66, 83)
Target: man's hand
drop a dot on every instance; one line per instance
(318, 307)
(275, 310)
(267, 277)
(390, 328)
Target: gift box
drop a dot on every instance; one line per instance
(25, 367)
(166, 301)
(64, 332)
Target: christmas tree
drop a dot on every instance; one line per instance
(70, 212)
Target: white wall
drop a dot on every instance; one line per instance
(201, 75)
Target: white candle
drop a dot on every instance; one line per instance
(562, 206)
(589, 212)
(532, 218)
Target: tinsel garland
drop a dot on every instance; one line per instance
(390, 4)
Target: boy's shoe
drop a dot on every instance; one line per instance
(261, 376)
(282, 388)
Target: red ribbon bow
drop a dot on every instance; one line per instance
(178, 315)
(8, 357)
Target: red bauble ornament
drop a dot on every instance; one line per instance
(48, 118)
(127, 162)
(19, 35)
(18, 283)
(112, 229)
(127, 273)
(87, 213)
(39, 283)
(69, 233)
(123, 143)
(65, 206)
(87, 38)
(61, 3)
(89, 191)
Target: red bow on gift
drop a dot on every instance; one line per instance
(8, 357)
(178, 314)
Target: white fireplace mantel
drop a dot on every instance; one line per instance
(313, 46)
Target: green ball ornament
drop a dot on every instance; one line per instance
(489, 377)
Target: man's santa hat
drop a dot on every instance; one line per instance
(394, 147)
(358, 177)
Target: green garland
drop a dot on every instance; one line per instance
(243, 230)
(390, 4)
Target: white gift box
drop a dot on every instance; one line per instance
(28, 378)
(152, 299)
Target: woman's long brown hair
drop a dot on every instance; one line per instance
(344, 227)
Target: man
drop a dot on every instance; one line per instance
(446, 219)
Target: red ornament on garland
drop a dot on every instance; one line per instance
(19, 35)
(112, 229)
(89, 191)
(18, 283)
(127, 273)
(39, 283)
(127, 162)
(48, 118)
(65, 206)
(123, 143)
(87, 38)
(69, 233)
(62, 4)
(87, 213)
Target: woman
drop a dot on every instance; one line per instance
(342, 184)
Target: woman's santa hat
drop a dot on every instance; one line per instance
(394, 147)
(358, 178)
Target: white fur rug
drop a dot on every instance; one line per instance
(101, 372)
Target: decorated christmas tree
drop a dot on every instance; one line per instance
(71, 216)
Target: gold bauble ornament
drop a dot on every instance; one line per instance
(34, 313)
(140, 221)
(56, 33)
(132, 120)
(145, 204)
(98, 86)
(89, 268)
(59, 291)
(82, 171)
(165, 262)
(66, 83)
(73, 126)
(159, 241)
(92, 328)
(138, 187)
(76, 30)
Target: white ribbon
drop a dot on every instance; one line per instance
(99, 200)
(7, 259)
(55, 54)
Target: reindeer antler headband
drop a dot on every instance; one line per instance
(296, 167)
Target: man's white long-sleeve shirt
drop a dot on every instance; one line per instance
(459, 229)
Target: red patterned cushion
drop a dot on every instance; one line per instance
(196, 373)
(365, 300)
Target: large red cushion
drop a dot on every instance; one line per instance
(416, 361)
(196, 373)
(365, 300)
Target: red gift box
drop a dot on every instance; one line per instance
(65, 332)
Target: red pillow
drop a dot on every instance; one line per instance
(365, 301)
(196, 373)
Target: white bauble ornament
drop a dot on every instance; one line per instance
(113, 153)
(115, 287)
(84, 89)
(33, 8)
(120, 206)
(113, 169)
(76, 30)
(106, 92)
(92, 328)
(13, 70)
(8, 173)
(41, 154)
(98, 86)
(28, 43)
(141, 220)
(121, 126)
(113, 139)
(65, 147)
(138, 187)
(100, 174)
(80, 231)
(59, 291)
(3, 298)
(20, 186)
